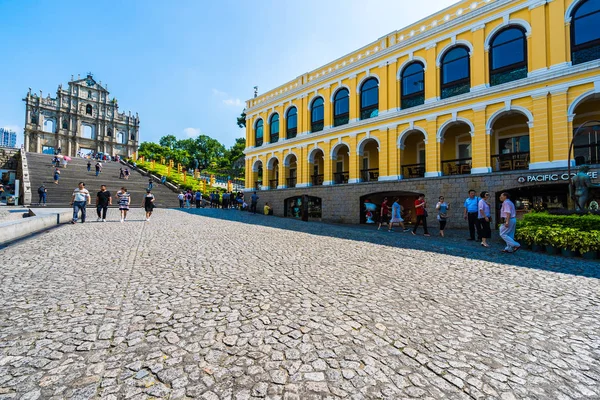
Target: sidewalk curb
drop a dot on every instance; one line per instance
(13, 230)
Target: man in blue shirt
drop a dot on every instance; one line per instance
(471, 215)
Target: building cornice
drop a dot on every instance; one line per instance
(374, 59)
(384, 119)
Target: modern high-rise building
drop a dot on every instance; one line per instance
(82, 118)
(485, 94)
(8, 138)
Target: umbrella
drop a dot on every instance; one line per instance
(67, 158)
(59, 156)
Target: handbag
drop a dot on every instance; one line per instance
(425, 213)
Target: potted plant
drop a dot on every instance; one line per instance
(524, 235)
(566, 242)
(587, 244)
(540, 239)
(553, 239)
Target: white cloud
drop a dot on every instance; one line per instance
(191, 132)
(233, 102)
(219, 93)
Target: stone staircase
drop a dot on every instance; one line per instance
(41, 171)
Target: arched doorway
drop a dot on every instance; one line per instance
(273, 167)
(340, 160)
(406, 201)
(510, 142)
(455, 148)
(587, 145)
(368, 154)
(257, 174)
(291, 170)
(316, 167)
(412, 154)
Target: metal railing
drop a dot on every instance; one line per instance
(317, 180)
(369, 112)
(587, 154)
(291, 182)
(272, 183)
(459, 166)
(317, 126)
(258, 185)
(369, 175)
(341, 177)
(510, 161)
(341, 119)
(413, 170)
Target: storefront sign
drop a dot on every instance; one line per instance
(551, 177)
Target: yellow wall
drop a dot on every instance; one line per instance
(539, 104)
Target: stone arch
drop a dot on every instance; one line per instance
(517, 22)
(497, 114)
(286, 160)
(452, 45)
(272, 161)
(408, 62)
(285, 112)
(311, 154)
(363, 141)
(569, 11)
(255, 165)
(451, 121)
(313, 99)
(580, 99)
(336, 147)
(408, 131)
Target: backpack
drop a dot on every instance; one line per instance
(41, 190)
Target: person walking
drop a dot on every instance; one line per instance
(148, 204)
(471, 215)
(121, 173)
(508, 213)
(42, 192)
(80, 198)
(124, 201)
(188, 198)
(163, 180)
(225, 203)
(484, 218)
(253, 202)
(442, 207)
(181, 198)
(64, 163)
(384, 212)
(198, 198)
(98, 167)
(150, 184)
(103, 200)
(89, 165)
(421, 212)
(397, 216)
(126, 173)
(56, 175)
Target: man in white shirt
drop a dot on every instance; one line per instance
(509, 224)
(81, 197)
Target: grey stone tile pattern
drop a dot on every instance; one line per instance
(197, 306)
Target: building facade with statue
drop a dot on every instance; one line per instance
(485, 94)
(80, 119)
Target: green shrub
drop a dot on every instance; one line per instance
(586, 222)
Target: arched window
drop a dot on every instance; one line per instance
(585, 36)
(456, 78)
(89, 94)
(133, 136)
(317, 115)
(274, 126)
(109, 132)
(258, 133)
(88, 109)
(412, 85)
(49, 125)
(341, 107)
(369, 99)
(121, 137)
(87, 132)
(508, 56)
(65, 123)
(291, 120)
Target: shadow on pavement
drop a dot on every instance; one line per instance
(454, 244)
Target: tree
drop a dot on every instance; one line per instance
(208, 150)
(237, 150)
(241, 120)
(169, 141)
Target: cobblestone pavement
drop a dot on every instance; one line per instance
(248, 307)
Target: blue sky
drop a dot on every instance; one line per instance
(185, 66)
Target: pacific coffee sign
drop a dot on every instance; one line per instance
(552, 177)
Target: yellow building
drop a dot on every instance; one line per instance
(484, 90)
